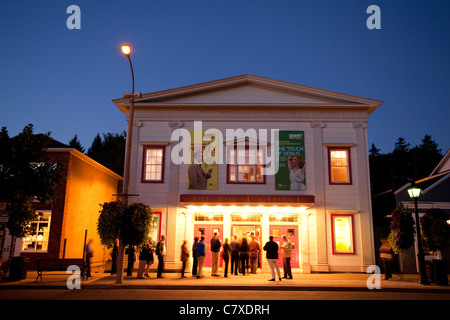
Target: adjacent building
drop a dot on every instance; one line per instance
(63, 227)
(276, 158)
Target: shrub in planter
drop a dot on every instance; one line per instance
(402, 230)
(435, 230)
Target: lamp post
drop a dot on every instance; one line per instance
(126, 50)
(414, 193)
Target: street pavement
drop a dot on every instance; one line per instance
(251, 296)
(172, 281)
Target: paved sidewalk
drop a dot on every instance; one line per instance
(301, 282)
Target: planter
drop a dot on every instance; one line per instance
(440, 272)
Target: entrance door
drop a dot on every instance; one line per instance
(291, 231)
(247, 231)
(208, 230)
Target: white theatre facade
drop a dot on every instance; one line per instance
(319, 197)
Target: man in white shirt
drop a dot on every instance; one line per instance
(286, 249)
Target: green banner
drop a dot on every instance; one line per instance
(291, 159)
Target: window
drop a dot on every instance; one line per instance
(245, 165)
(342, 234)
(283, 217)
(208, 217)
(37, 240)
(339, 166)
(153, 164)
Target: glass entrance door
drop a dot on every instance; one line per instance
(208, 230)
(291, 232)
(248, 231)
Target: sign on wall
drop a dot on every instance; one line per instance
(291, 174)
(201, 176)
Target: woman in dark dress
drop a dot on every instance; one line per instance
(226, 256)
(194, 256)
(244, 251)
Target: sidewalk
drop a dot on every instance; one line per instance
(301, 282)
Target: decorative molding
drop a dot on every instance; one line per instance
(179, 124)
(242, 114)
(319, 124)
(359, 124)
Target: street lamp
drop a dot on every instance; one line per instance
(126, 49)
(414, 193)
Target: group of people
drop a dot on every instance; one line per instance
(146, 258)
(240, 254)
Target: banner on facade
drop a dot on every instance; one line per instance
(202, 176)
(291, 174)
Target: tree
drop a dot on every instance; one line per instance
(130, 224)
(424, 158)
(400, 162)
(25, 175)
(109, 151)
(75, 143)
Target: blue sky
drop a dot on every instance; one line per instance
(63, 80)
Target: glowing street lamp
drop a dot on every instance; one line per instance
(126, 49)
(414, 193)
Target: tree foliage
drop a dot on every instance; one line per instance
(109, 151)
(393, 170)
(131, 222)
(76, 144)
(25, 175)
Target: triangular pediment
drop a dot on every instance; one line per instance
(249, 90)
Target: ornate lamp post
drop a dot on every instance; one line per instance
(414, 193)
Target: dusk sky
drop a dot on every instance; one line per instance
(63, 80)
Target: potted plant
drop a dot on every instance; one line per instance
(402, 230)
(436, 234)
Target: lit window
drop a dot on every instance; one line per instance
(153, 168)
(339, 165)
(342, 234)
(245, 165)
(37, 240)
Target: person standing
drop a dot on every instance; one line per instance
(143, 256)
(131, 260)
(150, 258)
(271, 248)
(184, 257)
(200, 247)
(386, 255)
(215, 249)
(226, 256)
(89, 255)
(234, 248)
(244, 251)
(114, 254)
(161, 253)
(194, 257)
(254, 254)
(286, 249)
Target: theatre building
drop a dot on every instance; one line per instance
(277, 159)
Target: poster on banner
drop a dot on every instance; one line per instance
(202, 175)
(291, 174)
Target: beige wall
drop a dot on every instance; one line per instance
(88, 187)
